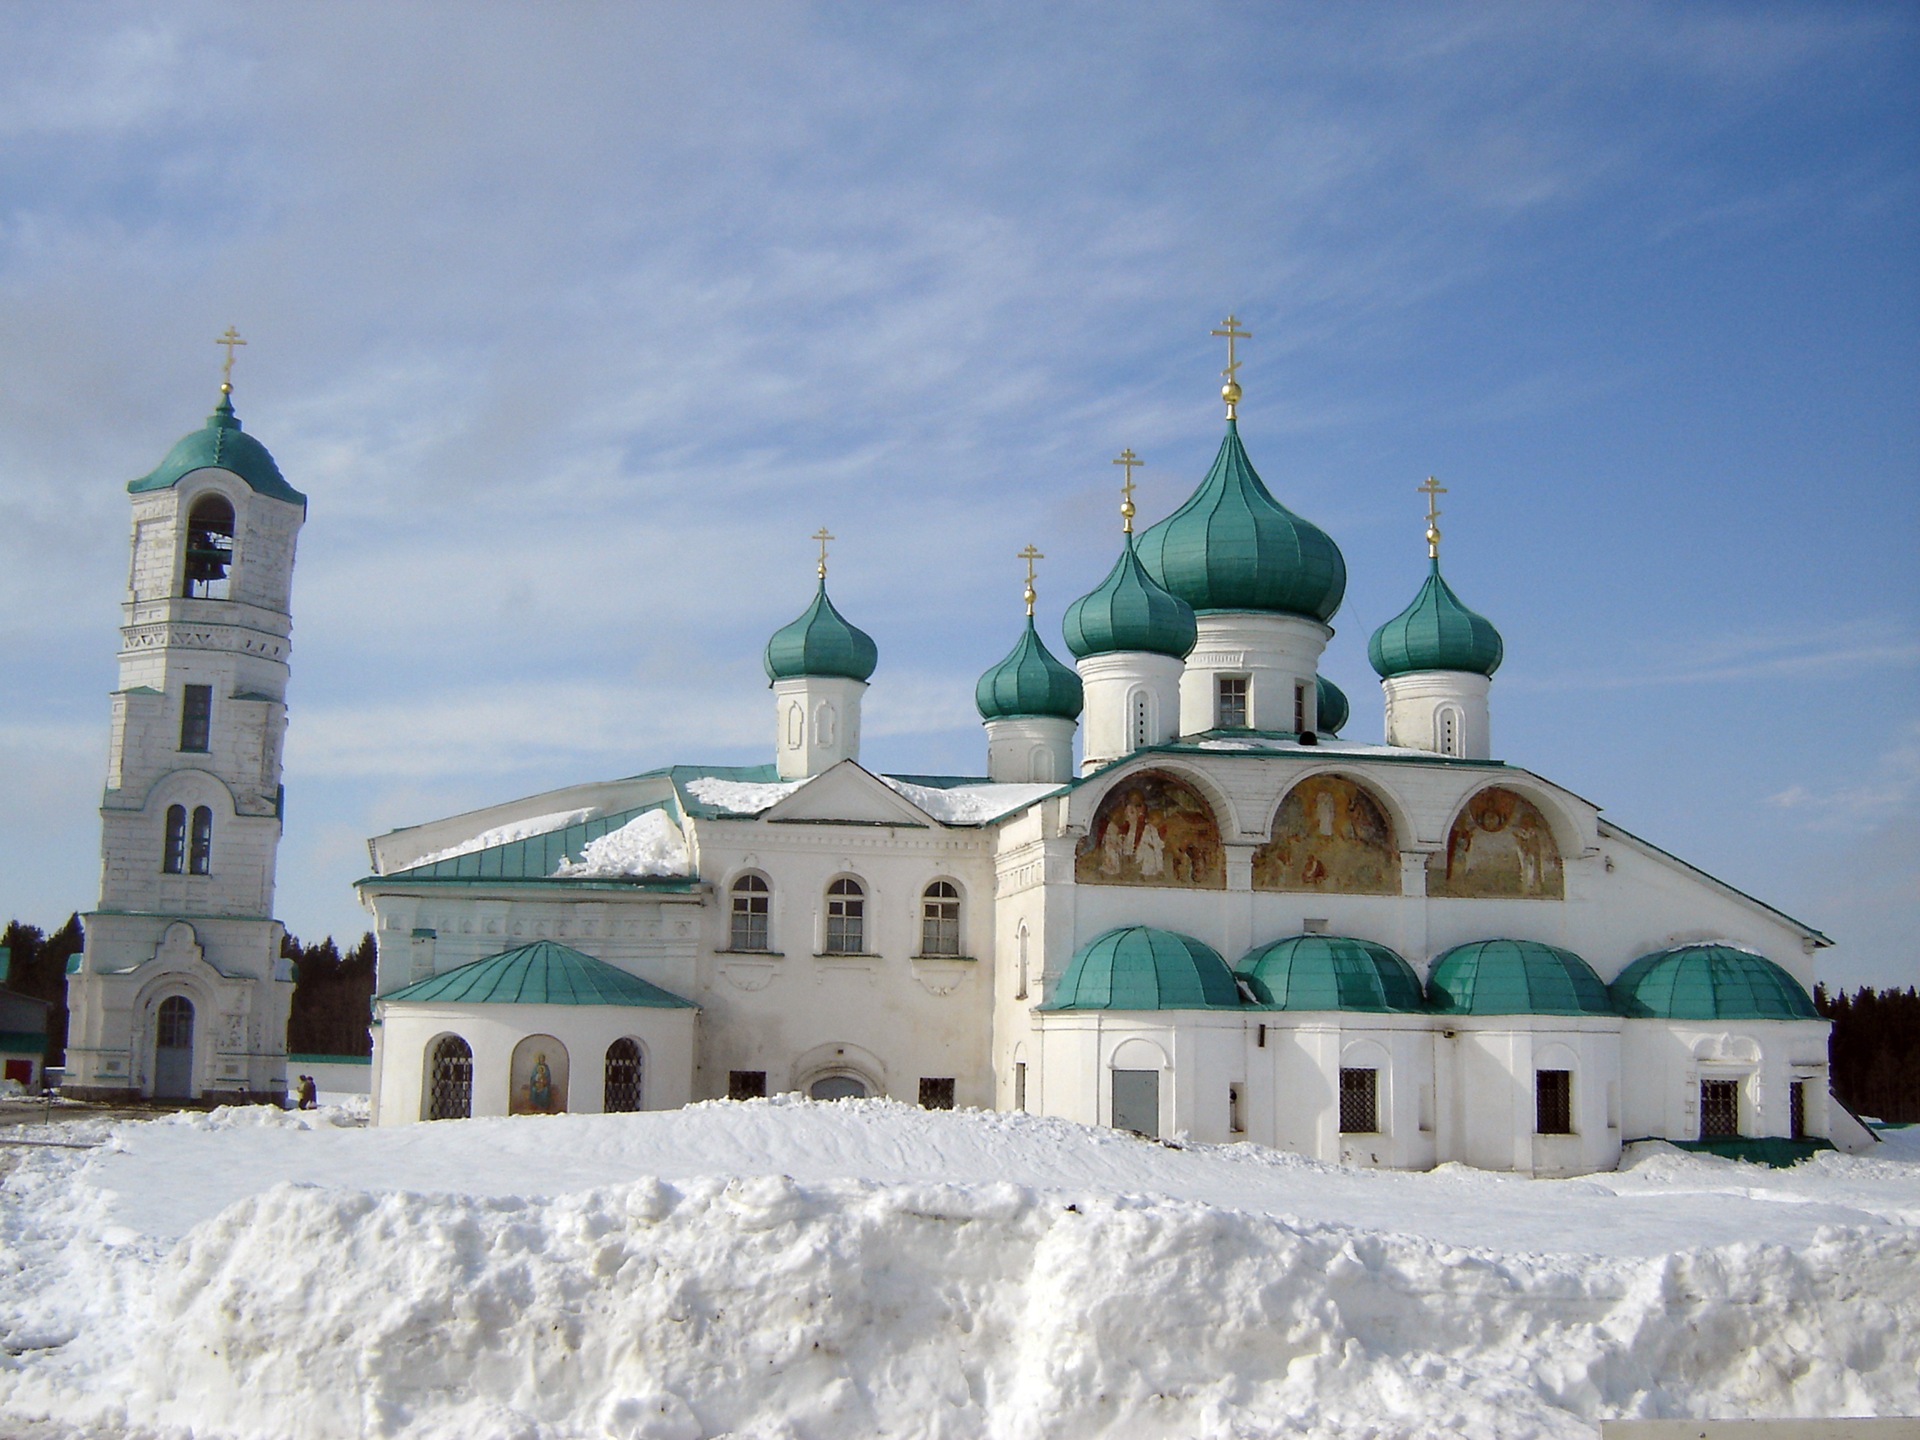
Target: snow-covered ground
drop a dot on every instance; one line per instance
(787, 1269)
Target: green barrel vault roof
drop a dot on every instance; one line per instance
(1028, 682)
(221, 444)
(1232, 546)
(1138, 967)
(1331, 706)
(821, 642)
(1710, 982)
(1129, 611)
(1435, 632)
(1331, 972)
(1515, 977)
(543, 973)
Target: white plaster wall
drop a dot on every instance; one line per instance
(1030, 749)
(1109, 683)
(1274, 652)
(1414, 704)
(1667, 1059)
(816, 723)
(1484, 1069)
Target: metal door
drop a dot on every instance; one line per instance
(173, 1049)
(1136, 1101)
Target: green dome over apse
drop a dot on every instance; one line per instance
(1128, 611)
(1331, 972)
(1435, 632)
(821, 642)
(1141, 968)
(1232, 546)
(221, 444)
(1332, 705)
(1710, 982)
(1515, 977)
(1028, 682)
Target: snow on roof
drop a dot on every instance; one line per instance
(969, 804)
(504, 835)
(648, 844)
(741, 797)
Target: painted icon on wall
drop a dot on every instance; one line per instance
(1500, 847)
(539, 1077)
(1152, 829)
(1330, 836)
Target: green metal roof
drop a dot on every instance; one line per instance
(1140, 968)
(543, 973)
(1435, 632)
(1129, 611)
(1515, 977)
(1333, 708)
(821, 642)
(1232, 546)
(535, 858)
(1710, 982)
(1331, 972)
(221, 444)
(1028, 682)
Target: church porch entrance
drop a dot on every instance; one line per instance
(173, 1049)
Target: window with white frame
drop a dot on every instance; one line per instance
(1230, 702)
(940, 919)
(846, 918)
(752, 913)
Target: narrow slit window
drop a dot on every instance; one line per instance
(200, 853)
(173, 858)
(1797, 1109)
(196, 718)
(1299, 707)
(1020, 1085)
(1141, 727)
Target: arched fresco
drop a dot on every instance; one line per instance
(1330, 836)
(538, 1077)
(1500, 847)
(1153, 830)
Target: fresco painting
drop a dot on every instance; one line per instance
(1500, 847)
(1153, 830)
(538, 1077)
(1330, 836)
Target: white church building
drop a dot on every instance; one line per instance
(1223, 921)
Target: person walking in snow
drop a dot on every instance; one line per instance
(309, 1093)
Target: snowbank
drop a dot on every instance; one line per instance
(760, 1304)
(649, 844)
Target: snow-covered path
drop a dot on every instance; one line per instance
(781, 1268)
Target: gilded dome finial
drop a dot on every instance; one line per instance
(1128, 459)
(822, 536)
(1230, 392)
(230, 339)
(1433, 489)
(1030, 554)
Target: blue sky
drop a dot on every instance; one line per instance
(575, 320)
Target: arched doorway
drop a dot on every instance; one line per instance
(838, 1087)
(173, 1049)
(622, 1093)
(450, 1079)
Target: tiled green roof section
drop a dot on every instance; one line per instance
(1710, 982)
(1333, 708)
(1129, 611)
(821, 642)
(1331, 972)
(1028, 682)
(1141, 968)
(1435, 632)
(1515, 977)
(1232, 546)
(543, 973)
(535, 858)
(221, 444)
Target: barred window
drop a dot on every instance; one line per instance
(1359, 1101)
(746, 1084)
(450, 1081)
(1719, 1108)
(1797, 1109)
(936, 1092)
(1553, 1102)
(752, 911)
(940, 919)
(846, 918)
(622, 1093)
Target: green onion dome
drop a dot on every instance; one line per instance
(1331, 972)
(1232, 546)
(221, 444)
(1140, 968)
(1028, 682)
(1129, 611)
(1332, 706)
(821, 642)
(1710, 982)
(1435, 632)
(1515, 977)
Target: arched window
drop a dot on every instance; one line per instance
(824, 718)
(173, 859)
(846, 918)
(1449, 727)
(450, 1079)
(796, 725)
(749, 923)
(1020, 984)
(940, 919)
(838, 1087)
(209, 548)
(1141, 719)
(623, 1078)
(200, 856)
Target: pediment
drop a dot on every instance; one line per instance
(848, 795)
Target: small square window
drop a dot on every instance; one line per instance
(936, 1092)
(1230, 711)
(746, 1084)
(1359, 1102)
(1553, 1102)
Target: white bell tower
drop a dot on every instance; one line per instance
(181, 991)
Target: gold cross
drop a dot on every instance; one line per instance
(822, 536)
(1433, 489)
(1029, 555)
(1230, 392)
(230, 339)
(1128, 459)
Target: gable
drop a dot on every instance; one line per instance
(848, 795)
